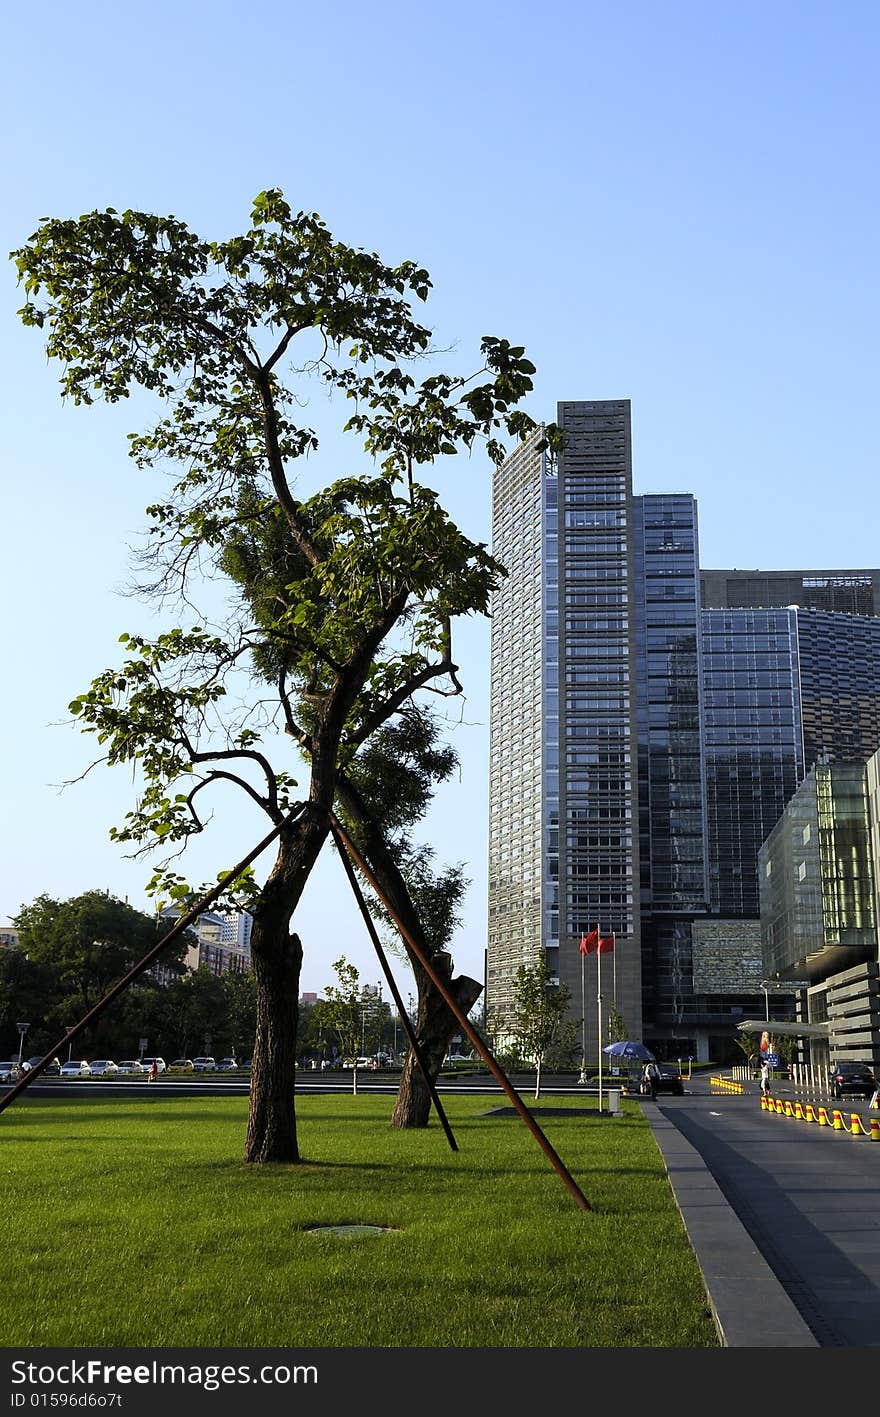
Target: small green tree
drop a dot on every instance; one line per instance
(616, 1025)
(350, 1011)
(785, 1044)
(540, 1018)
(747, 1042)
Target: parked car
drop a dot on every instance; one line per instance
(852, 1078)
(670, 1079)
(51, 1069)
(103, 1067)
(204, 1065)
(129, 1065)
(183, 1065)
(76, 1069)
(227, 1065)
(10, 1071)
(147, 1063)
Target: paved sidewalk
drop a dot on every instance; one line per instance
(750, 1307)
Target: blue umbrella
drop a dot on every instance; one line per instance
(628, 1049)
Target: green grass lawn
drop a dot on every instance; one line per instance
(136, 1223)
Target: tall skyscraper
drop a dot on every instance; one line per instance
(563, 851)
(642, 746)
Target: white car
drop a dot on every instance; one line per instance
(204, 1065)
(103, 1067)
(129, 1065)
(76, 1070)
(10, 1071)
(147, 1063)
(227, 1065)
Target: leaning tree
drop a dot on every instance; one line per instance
(382, 795)
(343, 600)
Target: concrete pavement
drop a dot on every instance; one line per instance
(749, 1305)
(783, 1219)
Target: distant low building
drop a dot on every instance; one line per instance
(223, 942)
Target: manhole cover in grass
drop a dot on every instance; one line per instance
(349, 1231)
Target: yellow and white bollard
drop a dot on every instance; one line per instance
(875, 1129)
(823, 1117)
(855, 1125)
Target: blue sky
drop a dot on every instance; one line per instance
(673, 203)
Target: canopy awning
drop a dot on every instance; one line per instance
(793, 1030)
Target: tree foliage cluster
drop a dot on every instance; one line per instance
(72, 952)
(342, 602)
(539, 1030)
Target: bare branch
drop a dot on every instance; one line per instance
(269, 805)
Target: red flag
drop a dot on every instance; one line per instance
(606, 944)
(590, 943)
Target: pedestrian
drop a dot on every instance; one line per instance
(650, 1076)
(875, 1100)
(765, 1078)
(153, 1072)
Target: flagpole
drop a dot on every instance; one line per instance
(599, 1007)
(583, 1076)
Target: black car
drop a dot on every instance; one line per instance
(51, 1069)
(670, 1079)
(852, 1078)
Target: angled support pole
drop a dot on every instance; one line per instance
(469, 1029)
(177, 929)
(377, 945)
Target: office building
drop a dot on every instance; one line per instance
(649, 722)
(818, 875)
(220, 943)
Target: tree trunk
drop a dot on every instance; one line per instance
(276, 960)
(435, 1026)
(271, 1130)
(435, 1022)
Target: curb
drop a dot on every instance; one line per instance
(749, 1306)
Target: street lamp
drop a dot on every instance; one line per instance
(22, 1030)
(765, 985)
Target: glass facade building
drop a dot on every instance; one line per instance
(816, 873)
(753, 743)
(563, 791)
(851, 592)
(523, 739)
(649, 722)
